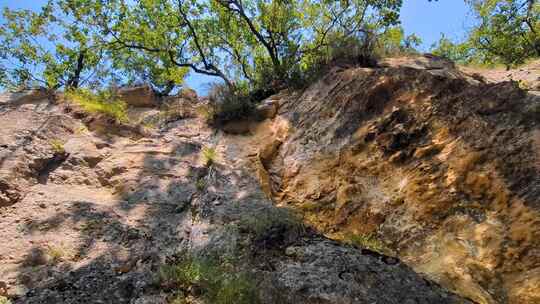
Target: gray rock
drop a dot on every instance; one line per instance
(323, 271)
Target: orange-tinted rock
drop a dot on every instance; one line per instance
(438, 165)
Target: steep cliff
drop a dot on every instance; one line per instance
(435, 165)
(94, 211)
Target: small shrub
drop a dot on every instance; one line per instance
(214, 283)
(56, 254)
(272, 226)
(209, 156)
(226, 105)
(57, 146)
(205, 111)
(524, 85)
(345, 51)
(102, 102)
(200, 184)
(367, 241)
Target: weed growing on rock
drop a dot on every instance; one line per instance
(367, 241)
(209, 156)
(57, 146)
(228, 105)
(208, 279)
(103, 102)
(200, 184)
(178, 299)
(206, 112)
(149, 124)
(56, 254)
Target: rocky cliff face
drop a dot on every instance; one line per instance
(91, 210)
(436, 166)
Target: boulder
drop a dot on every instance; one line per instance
(323, 271)
(24, 97)
(425, 62)
(9, 193)
(83, 149)
(268, 109)
(139, 96)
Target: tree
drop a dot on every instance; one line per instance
(28, 58)
(238, 41)
(247, 43)
(508, 30)
(68, 43)
(282, 33)
(462, 53)
(144, 42)
(393, 41)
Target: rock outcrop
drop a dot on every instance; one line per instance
(441, 167)
(91, 218)
(139, 96)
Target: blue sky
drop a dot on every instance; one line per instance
(426, 19)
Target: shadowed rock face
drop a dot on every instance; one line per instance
(440, 167)
(92, 216)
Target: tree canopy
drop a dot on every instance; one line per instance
(248, 44)
(506, 32)
(243, 42)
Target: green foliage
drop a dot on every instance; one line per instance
(458, 52)
(219, 284)
(73, 43)
(507, 32)
(209, 156)
(393, 42)
(57, 146)
(257, 42)
(200, 184)
(228, 105)
(367, 241)
(102, 102)
(46, 48)
(272, 225)
(257, 47)
(140, 67)
(56, 254)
